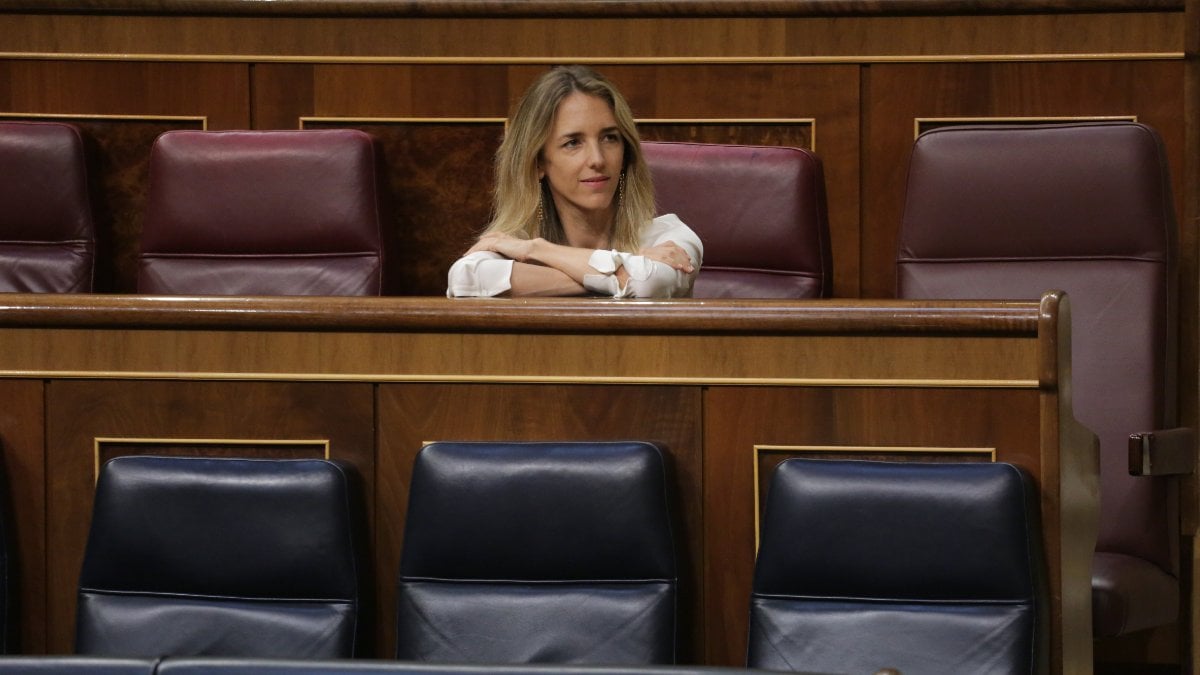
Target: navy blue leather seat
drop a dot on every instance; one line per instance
(926, 568)
(537, 552)
(242, 667)
(225, 557)
(76, 665)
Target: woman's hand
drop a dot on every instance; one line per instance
(669, 253)
(506, 245)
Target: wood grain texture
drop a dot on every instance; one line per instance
(440, 178)
(986, 318)
(22, 458)
(501, 8)
(440, 172)
(573, 38)
(610, 342)
(738, 419)
(679, 393)
(80, 411)
(1189, 360)
(901, 93)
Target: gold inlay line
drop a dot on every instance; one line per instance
(614, 60)
(760, 449)
(99, 441)
(918, 121)
(964, 383)
(82, 117)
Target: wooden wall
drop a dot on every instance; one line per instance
(434, 80)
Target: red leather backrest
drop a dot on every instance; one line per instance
(263, 213)
(47, 220)
(1013, 211)
(760, 212)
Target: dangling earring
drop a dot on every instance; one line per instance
(621, 188)
(541, 215)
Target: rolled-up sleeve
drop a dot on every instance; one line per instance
(479, 275)
(648, 278)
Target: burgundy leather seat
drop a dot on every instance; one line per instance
(47, 220)
(1013, 211)
(760, 212)
(263, 213)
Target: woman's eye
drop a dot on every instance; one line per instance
(571, 143)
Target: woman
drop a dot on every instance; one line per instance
(574, 205)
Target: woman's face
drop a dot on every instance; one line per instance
(582, 159)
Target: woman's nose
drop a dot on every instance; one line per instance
(595, 155)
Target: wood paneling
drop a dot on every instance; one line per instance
(575, 38)
(122, 107)
(900, 93)
(176, 413)
(217, 92)
(738, 419)
(22, 457)
(861, 71)
(864, 374)
(411, 415)
(441, 171)
(440, 179)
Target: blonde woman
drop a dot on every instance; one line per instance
(573, 210)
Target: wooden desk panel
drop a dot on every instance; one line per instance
(377, 377)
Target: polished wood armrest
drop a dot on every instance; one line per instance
(1164, 452)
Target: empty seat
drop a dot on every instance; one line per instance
(537, 552)
(1011, 211)
(76, 665)
(263, 213)
(925, 568)
(272, 667)
(47, 216)
(226, 557)
(760, 212)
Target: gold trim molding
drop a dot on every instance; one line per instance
(908, 383)
(100, 441)
(596, 60)
(918, 121)
(762, 449)
(202, 119)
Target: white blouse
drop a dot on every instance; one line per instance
(486, 273)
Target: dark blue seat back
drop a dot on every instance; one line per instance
(75, 665)
(537, 552)
(227, 557)
(273, 667)
(926, 568)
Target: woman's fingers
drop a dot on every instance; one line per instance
(669, 253)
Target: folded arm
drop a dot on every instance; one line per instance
(502, 264)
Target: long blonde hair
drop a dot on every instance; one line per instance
(518, 190)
